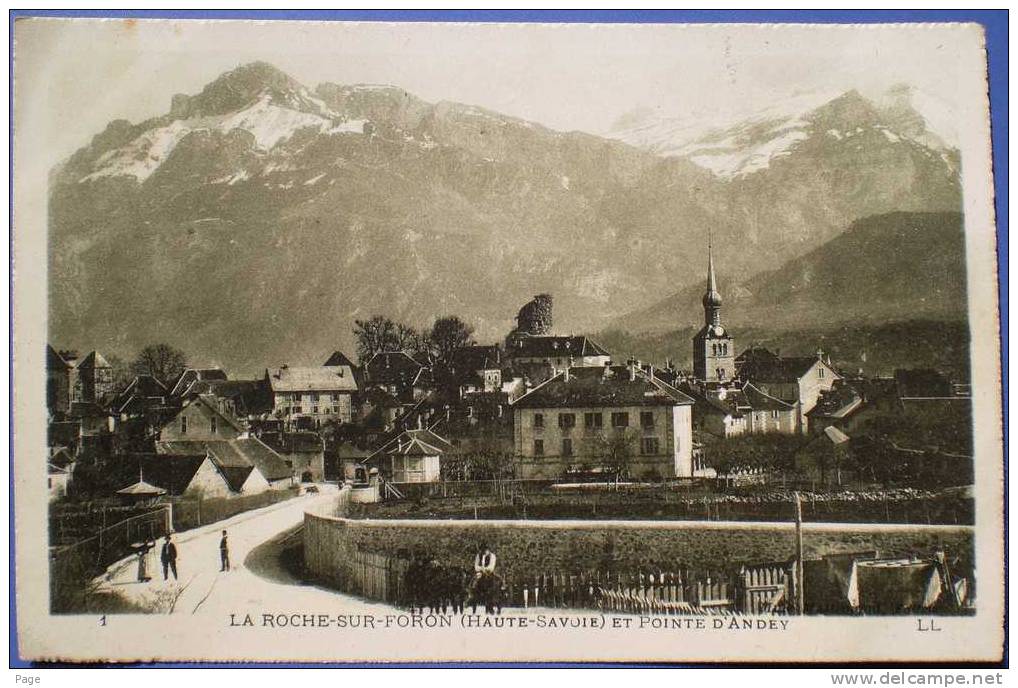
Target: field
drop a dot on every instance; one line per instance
(668, 502)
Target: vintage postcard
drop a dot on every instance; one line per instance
(419, 342)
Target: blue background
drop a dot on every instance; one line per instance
(993, 21)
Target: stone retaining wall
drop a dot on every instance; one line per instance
(531, 547)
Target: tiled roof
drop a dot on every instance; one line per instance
(250, 396)
(709, 404)
(837, 402)
(393, 367)
(55, 361)
(172, 472)
(338, 358)
(474, 358)
(602, 387)
(142, 489)
(761, 365)
(189, 376)
(555, 347)
(761, 401)
(420, 442)
(233, 454)
(317, 379)
(94, 360)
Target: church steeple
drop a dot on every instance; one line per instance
(712, 297)
(713, 347)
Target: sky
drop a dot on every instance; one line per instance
(81, 74)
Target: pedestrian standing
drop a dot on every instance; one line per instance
(143, 550)
(169, 558)
(224, 554)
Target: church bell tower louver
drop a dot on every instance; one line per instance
(713, 347)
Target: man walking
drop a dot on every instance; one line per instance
(224, 554)
(169, 558)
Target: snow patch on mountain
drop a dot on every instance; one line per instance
(739, 143)
(268, 122)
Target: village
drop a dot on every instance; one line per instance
(540, 425)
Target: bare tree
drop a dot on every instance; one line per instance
(161, 361)
(448, 334)
(616, 451)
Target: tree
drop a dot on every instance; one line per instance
(384, 334)
(447, 335)
(616, 451)
(161, 361)
(374, 336)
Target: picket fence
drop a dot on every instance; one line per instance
(753, 590)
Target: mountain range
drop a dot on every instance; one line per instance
(255, 220)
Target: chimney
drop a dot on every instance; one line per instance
(607, 370)
(650, 370)
(499, 410)
(632, 370)
(566, 374)
(420, 422)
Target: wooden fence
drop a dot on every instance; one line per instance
(753, 590)
(72, 567)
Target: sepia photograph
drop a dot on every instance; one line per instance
(342, 341)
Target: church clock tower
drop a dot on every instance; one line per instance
(713, 348)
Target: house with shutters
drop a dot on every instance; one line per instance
(201, 418)
(798, 380)
(593, 416)
(539, 357)
(304, 398)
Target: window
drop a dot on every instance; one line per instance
(297, 409)
(538, 420)
(314, 396)
(567, 447)
(592, 420)
(314, 409)
(183, 425)
(647, 419)
(567, 420)
(774, 414)
(212, 425)
(649, 445)
(538, 447)
(820, 372)
(620, 420)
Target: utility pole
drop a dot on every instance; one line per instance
(800, 574)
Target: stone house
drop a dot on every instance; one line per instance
(796, 380)
(59, 382)
(93, 379)
(195, 475)
(304, 398)
(538, 358)
(201, 419)
(590, 416)
(247, 463)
